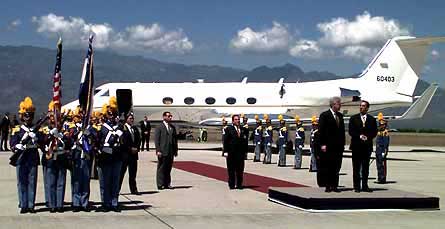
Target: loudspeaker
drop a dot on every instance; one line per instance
(124, 99)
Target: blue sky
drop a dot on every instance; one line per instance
(335, 36)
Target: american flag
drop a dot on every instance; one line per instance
(57, 82)
(86, 86)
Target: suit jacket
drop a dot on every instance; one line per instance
(166, 142)
(234, 144)
(145, 127)
(5, 125)
(129, 142)
(356, 129)
(331, 135)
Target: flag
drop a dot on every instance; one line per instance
(57, 83)
(86, 86)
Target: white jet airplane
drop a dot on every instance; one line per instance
(388, 81)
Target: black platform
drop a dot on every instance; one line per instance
(309, 198)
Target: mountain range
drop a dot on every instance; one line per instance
(27, 71)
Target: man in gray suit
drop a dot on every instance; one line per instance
(166, 144)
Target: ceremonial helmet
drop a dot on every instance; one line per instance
(258, 120)
(280, 118)
(27, 110)
(314, 120)
(266, 117)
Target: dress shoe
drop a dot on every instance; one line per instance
(116, 209)
(327, 189)
(240, 187)
(366, 190)
(230, 187)
(52, 210)
(160, 187)
(76, 209)
(169, 187)
(23, 210)
(60, 210)
(356, 190)
(31, 210)
(336, 190)
(86, 209)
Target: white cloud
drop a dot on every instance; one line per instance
(75, 31)
(306, 48)
(274, 39)
(14, 24)
(359, 52)
(364, 30)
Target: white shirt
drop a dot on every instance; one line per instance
(166, 126)
(333, 113)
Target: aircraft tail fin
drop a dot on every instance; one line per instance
(397, 66)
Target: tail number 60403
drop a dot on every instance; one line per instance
(389, 79)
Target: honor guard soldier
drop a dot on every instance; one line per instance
(81, 155)
(299, 142)
(55, 158)
(313, 146)
(245, 126)
(24, 144)
(268, 140)
(223, 133)
(382, 147)
(110, 158)
(282, 142)
(258, 138)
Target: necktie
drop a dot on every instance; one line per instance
(363, 120)
(237, 130)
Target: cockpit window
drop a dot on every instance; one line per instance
(101, 92)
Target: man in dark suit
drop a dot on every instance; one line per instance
(234, 144)
(332, 141)
(5, 125)
(130, 148)
(166, 143)
(145, 132)
(363, 129)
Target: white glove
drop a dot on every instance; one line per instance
(300, 146)
(33, 135)
(54, 132)
(119, 132)
(20, 147)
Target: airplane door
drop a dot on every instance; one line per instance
(124, 99)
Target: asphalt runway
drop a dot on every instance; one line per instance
(203, 201)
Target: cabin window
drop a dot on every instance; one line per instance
(167, 100)
(251, 100)
(210, 100)
(230, 100)
(189, 100)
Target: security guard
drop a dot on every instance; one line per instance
(382, 147)
(268, 140)
(24, 144)
(223, 133)
(313, 142)
(299, 142)
(282, 142)
(55, 157)
(110, 158)
(258, 138)
(245, 126)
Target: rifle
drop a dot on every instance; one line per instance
(15, 157)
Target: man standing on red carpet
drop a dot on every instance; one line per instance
(234, 144)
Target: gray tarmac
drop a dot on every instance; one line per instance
(202, 202)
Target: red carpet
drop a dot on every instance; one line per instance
(252, 181)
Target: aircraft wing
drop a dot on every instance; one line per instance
(418, 108)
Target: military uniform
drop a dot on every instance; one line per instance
(258, 138)
(268, 140)
(382, 145)
(24, 144)
(299, 143)
(245, 126)
(56, 161)
(282, 144)
(110, 164)
(313, 145)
